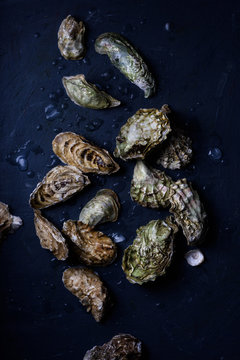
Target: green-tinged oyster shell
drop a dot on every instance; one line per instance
(127, 60)
(150, 187)
(102, 208)
(85, 94)
(142, 132)
(151, 252)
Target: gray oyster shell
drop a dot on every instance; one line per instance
(8, 222)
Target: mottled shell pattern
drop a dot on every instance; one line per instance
(60, 183)
(89, 289)
(8, 222)
(88, 95)
(142, 132)
(127, 60)
(73, 149)
(71, 39)
(151, 252)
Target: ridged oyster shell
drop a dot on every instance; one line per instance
(8, 222)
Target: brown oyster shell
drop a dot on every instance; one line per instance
(8, 222)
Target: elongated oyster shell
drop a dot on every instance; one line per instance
(93, 247)
(88, 95)
(127, 60)
(142, 132)
(150, 187)
(120, 347)
(50, 237)
(102, 208)
(8, 222)
(60, 183)
(89, 288)
(151, 252)
(75, 150)
(71, 39)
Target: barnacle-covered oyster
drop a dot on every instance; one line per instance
(194, 257)
(127, 60)
(151, 251)
(8, 222)
(150, 187)
(89, 288)
(88, 95)
(60, 183)
(176, 152)
(102, 208)
(187, 210)
(73, 149)
(71, 39)
(142, 132)
(120, 347)
(50, 237)
(93, 247)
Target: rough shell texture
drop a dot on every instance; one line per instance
(102, 208)
(50, 237)
(90, 290)
(127, 60)
(73, 149)
(71, 39)
(151, 251)
(85, 94)
(120, 347)
(93, 247)
(142, 132)
(194, 257)
(8, 222)
(60, 183)
(187, 210)
(150, 187)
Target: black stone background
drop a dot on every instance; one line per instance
(192, 313)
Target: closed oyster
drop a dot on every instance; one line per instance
(8, 222)
(151, 252)
(89, 288)
(75, 150)
(102, 208)
(60, 183)
(88, 95)
(93, 247)
(120, 347)
(142, 132)
(150, 187)
(71, 39)
(50, 237)
(127, 60)
(187, 210)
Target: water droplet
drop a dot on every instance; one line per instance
(30, 174)
(68, 308)
(39, 127)
(22, 163)
(94, 125)
(115, 125)
(42, 88)
(215, 154)
(52, 96)
(143, 21)
(118, 237)
(86, 61)
(119, 282)
(60, 92)
(51, 112)
(54, 62)
(57, 130)
(204, 187)
(60, 67)
(64, 106)
(36, 35)
(106, 75)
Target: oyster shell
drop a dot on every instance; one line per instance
(142, 132)
(151, 252)
(88, 287)
(75, 150)
(8, 222)
(102, 208)
(93, 247)
(120, 347)
(150, 187)
(50, 237)
(71, 39)
(88, 95)
(127, 60)
(194, 257)
(60, 183)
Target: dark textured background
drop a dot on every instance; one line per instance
(193, 313)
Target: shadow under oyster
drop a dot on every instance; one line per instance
(8, 222)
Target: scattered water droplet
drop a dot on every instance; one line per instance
(119, 186)
(94, 125)
(57, 130)
(115, 125)
(167, 26)
(118, 237)
(106, 75)
(64, 106)
(51, 112)
(215, 154)
(36, 35)
(87, 61)
(39, 127)
(143, 21)
(30, 174)
(52, 96)
(119, 282)
(42, 88)
(60, 67)
(68, 308)
(22, 163)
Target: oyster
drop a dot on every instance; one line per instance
(90, 290)
(150, 187)
(194, 257)
(88, 95)
(127, 60)
(50, 237)
(75, 150)
(142, 132)
(8, 222)
(187, 210)
(102, 208)
(71, 39)
(93, 247)
(151, 251)
(120, 347)
(60, 183)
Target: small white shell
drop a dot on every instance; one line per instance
(194, 257)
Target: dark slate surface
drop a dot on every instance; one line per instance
(193, 313)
